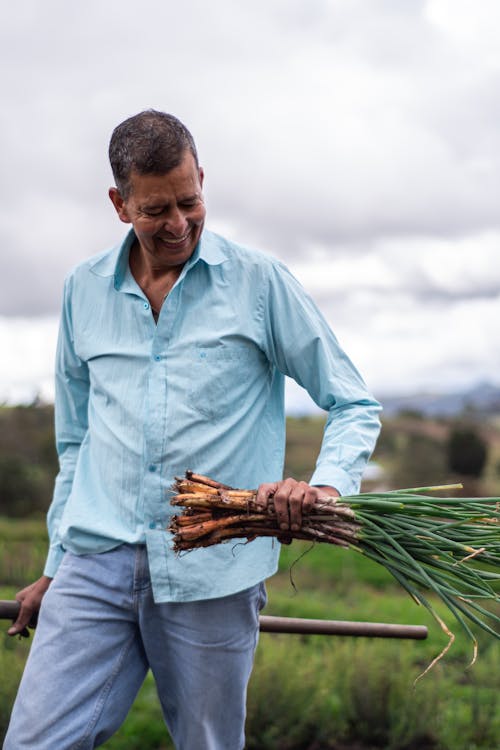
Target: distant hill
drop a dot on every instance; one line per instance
(484, 398)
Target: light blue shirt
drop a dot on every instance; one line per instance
(138, 403)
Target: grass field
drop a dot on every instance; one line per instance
(321, 692)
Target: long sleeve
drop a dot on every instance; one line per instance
(71, 423)
(301, 345)
(138, 403)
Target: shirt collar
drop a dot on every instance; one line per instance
(210, 249)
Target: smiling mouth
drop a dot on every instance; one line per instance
(173, 242)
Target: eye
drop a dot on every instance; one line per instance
(152, 211)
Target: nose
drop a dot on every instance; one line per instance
(176, 223)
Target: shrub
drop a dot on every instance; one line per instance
(467, 452)
(305, 693)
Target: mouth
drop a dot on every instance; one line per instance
(175, 241)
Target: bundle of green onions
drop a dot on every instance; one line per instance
(446, 545)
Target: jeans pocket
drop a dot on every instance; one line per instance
(262, 598)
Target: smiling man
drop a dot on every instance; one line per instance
(167, 213)
(172, 354)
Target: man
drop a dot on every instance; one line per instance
(172, 354)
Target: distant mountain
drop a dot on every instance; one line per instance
(484, 398)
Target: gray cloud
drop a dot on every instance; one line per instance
(331, 124)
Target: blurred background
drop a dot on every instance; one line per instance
(359, 142)
(356, 141)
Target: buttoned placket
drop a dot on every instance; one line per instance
(155, 426)
(156, 336)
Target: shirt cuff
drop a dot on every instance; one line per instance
(335, 477)
(54, 558)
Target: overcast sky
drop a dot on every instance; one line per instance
(357, 140)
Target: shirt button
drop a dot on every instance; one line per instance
(146, 305)
(152, 525)
(157, 357)
(152, 467)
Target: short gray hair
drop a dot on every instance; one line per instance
(150, 142)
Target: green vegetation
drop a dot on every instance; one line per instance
(412, 451)
(467, 451)
(333, 693)
(28, 459)
(314, 692)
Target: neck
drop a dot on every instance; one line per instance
(155, 281)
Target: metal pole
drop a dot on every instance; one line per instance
(269, 624)
(8, 610)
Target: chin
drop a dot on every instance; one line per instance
(174, 256)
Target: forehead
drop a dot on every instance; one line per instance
(183, 180)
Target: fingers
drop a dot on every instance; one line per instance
(280, 492)
(20, 626)
(288, 504)
(264, 492)
(29, 599)
(292, 501)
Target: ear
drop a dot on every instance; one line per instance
(120, 205)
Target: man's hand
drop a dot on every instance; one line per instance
(292, 500)
(30, 599)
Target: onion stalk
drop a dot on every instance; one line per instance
(449, 546)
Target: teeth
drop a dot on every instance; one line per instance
(175, 241)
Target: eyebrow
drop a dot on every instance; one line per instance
(155, 206)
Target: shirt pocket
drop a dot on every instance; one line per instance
(219, 377)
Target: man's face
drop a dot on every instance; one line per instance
(166, 211)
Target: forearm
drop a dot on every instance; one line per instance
(62, 489)
(299, 342)
(349, 438)
(71, 422)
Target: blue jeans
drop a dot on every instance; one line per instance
(100, 631)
